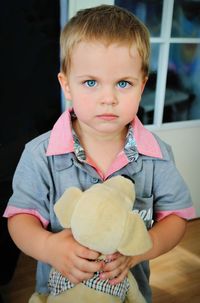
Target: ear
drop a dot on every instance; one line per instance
(124, 186)
(64, 83)
(64, 207)
(143, 84)
(135, 239)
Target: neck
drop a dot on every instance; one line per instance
(101, 149)
(87, 134)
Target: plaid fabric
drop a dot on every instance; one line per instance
(58, 284)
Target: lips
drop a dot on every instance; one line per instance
(107, 117)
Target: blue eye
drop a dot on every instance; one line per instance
(91, 83)
(123, 84)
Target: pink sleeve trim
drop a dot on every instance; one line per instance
(186, 213)
(12, 211)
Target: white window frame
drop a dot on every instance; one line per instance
(70, 7)
(165, 41)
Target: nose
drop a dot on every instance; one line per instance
(108, 96)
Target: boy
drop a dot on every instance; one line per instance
(105, 61)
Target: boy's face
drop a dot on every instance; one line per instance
(105, 84)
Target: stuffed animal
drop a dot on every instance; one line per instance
(101, 219)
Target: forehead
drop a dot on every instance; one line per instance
(98, 46)
(89, 55)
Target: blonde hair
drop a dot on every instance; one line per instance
(106, 24)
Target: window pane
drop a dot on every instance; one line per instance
(149, 11)
(182, 101)
(186, 19)
(148, 98)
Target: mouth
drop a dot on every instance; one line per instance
(107, 116)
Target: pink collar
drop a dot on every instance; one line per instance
(61, 139)
(146, 143)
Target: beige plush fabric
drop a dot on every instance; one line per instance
(118, 229)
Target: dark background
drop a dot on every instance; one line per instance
(29, 93)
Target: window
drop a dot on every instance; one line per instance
(172, 93)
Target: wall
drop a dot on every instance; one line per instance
(186, 147)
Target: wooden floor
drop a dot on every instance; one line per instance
(175, 276)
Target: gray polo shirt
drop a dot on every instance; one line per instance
(47, 168)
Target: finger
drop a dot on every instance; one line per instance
(72, 279)
(110, 274)
(112, 257)
(87, 253)
(115, 268)
(118, 279)
(88, 266)
(76, 276)
(110, 266)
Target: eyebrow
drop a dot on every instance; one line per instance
(86, 76)
(127, 78)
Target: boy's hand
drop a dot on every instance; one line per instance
(164, 234)
(117, 268)
(70, 258)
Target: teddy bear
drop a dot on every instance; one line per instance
(101, 218)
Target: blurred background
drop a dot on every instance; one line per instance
(31, 100)
(29, 94)
(180, 43)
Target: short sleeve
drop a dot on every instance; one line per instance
(31, 186)
(171, 194)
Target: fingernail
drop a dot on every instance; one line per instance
(102, 276)
(102, 264)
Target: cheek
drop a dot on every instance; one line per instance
(130, 114)
(81, 108)
(78, 108)
(131, 108)
(83, 102)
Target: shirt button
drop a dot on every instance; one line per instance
(94, 180)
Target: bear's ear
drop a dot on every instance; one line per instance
(64, 207)
(135, 238)
(123, 185)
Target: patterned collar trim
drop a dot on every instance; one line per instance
(130, 148)
(78, 149)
